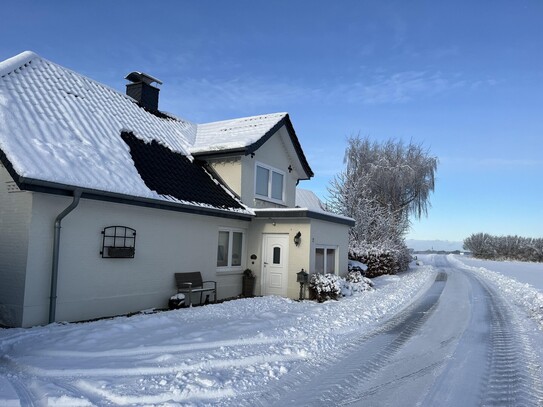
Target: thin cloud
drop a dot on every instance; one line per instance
(491, 163)
(401, 87)
(255, 94)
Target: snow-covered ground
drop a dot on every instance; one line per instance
(221, 354)
(198, 356)
(524, 272)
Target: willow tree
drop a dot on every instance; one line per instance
(381, 187)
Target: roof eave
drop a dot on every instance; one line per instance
(304, 213)
(36, 185)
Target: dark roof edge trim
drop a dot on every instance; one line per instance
(34, 185)
(304, 213)
(220, 153)
(285, 121)
(297, 146)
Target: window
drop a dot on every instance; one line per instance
(269, 182)
(276, 255)
(325, 260)
(230, 248)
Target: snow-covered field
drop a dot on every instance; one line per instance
(524, 272)
(218, 354)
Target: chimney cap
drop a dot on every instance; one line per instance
(136, 77)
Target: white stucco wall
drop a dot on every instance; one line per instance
(274, 154)
(314, 233)
(15, 210)
(229, 169)
(330, 234)
(298, 255)
(90, 286)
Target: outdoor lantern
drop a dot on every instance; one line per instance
(298, 238)
(303, 278)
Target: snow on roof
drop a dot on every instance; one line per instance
(61, 127)
(235, 133)
(308, 199)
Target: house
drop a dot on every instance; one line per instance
(103, 197)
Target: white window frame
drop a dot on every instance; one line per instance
(271, 170)
(229, 266)
(336, 257)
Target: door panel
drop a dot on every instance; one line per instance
(275, 264)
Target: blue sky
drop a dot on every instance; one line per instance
(463, 78)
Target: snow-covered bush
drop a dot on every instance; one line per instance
(381, 259)
(485, 246)
(324, 287)
(354, 276)
(355, 282)
(354, 265)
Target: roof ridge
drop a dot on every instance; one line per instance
(11, 64)
(243, 118)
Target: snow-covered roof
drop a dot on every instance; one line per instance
(57, 126)
(234, 134)
(308, 199)
(246, 135)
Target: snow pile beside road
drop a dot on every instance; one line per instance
(198, 356)
(521, 294)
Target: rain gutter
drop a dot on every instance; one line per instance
(56, 251)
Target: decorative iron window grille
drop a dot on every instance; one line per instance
(118, 242)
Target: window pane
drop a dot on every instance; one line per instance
(276, 255)
(222, 251)
(262, 177)
(330, 261)
(237, 243)
(319, 261)
(277, 186)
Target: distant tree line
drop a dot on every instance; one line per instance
(485, 246)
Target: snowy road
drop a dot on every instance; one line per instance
(461, 344)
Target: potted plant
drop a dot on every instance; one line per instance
(249, 280)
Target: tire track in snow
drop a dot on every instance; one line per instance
(364, 357)
(513, 379)
(20, 382)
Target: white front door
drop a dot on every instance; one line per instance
(274, 264)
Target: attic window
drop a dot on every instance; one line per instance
(269, 183)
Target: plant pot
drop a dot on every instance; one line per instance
(248, 287)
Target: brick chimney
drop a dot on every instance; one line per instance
(141, 89)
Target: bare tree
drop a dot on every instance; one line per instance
(381, 187)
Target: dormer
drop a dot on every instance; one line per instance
(259, 158)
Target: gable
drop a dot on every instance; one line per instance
(246, 135)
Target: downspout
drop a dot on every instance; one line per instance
(56, 250)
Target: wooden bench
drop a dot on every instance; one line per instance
(191, 282)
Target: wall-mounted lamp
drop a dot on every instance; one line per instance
(298, 238)
(252, 155)
(290, 168)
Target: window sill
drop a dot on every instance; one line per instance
(227, 272)
(268, 199)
